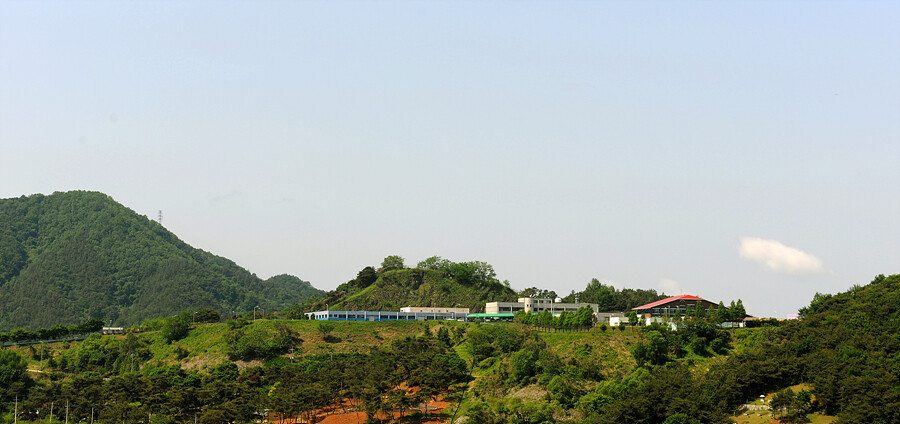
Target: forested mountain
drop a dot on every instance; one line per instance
(433, 282)
(71, 256)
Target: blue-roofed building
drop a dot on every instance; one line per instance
(383, 316)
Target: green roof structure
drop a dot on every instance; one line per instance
(490, 316)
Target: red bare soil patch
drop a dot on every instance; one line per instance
(346, 414)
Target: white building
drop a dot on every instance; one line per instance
(330, 315)
(613, 319)
(536, 306)
(430, 309)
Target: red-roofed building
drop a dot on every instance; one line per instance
(675, 305)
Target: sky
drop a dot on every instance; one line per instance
(730, 150)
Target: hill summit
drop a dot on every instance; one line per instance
(76, 255)
(433, 282)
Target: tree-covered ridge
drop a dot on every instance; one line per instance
(848, 348)
(433, 282)
(845, 346)
(71, 256)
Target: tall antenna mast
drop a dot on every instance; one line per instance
(159, 217)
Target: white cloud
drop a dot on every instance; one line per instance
(670, 287)
(779, 258)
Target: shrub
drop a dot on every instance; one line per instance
(180, 353)
(175, 328)
(699, 345)
(719, 346)
(564, 391)
(12, 367)
(681, 419)
(486, 363)
(226, 371)
(234, 324)
(523, 364)
(325, 328)
(206, 315)
(489, 340)
(257, 342)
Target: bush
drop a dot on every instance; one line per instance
(325, 328)
(206, 315)
(12, 368)
(681, 419)
(699, 345)
(489, 340)
(593, 402)
(486, 363)
(226, 371)
(719, 346)
(180, 353)
(234, 324)
(176, 328)
(654, 351)
(564, 391)
(257, 342)
(523, 364)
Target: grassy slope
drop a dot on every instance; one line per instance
(609, 350)
(207, 344)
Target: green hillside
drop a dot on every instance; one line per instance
(434, 282)
(845, 347)
(71, 256)
(838, 364)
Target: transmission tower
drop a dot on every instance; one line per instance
(159, 218)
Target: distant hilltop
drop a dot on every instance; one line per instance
(434, 282)
(76, 255)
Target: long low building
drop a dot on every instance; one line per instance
(383, 316)
(536, 306)
(430, 309)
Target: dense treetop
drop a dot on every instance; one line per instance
(610, 299)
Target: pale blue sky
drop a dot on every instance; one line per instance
(723, 149)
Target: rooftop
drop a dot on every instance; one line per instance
(667, 300)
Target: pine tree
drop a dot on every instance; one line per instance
(738, 313)
(720, 315)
